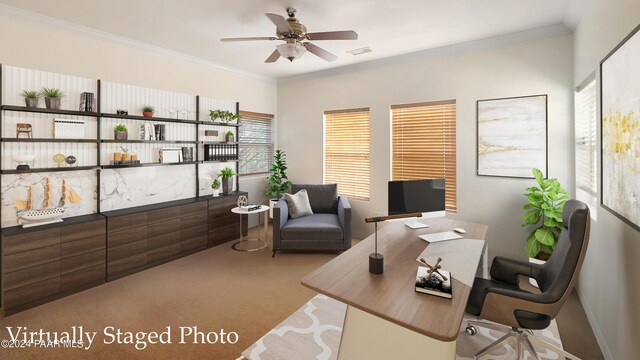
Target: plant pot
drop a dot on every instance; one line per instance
(147, 114)
(228, 138)
(272, 204)
(120, 135)
(533, 281)
(52, 103)
(31, 103)
(216, 192)
(227, 185)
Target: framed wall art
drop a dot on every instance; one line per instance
(512, 136)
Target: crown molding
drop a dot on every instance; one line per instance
(522, 36)
(575, 12)
(14, 13)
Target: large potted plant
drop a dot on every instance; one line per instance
(543, 217)
(278, 182)
(52, 97)
(227, 175)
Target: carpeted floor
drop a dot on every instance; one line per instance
(247, 293)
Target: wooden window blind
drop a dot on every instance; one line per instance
(586, 152)
(255, 143)
(346, 151)
(424, 144)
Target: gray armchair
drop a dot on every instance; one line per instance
(329, 228)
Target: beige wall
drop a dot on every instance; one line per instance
(529, 68)
(609, 279)
(46, 47)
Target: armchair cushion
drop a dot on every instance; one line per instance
(298, 204)
(313, 227)
(323, 198)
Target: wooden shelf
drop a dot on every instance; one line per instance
(144, 118)
(148, 164)
(218, 123)
(52, 169)
(48, 111)
(150, 141)
(49, 140)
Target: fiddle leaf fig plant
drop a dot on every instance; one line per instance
(543, 215)
(278, 181)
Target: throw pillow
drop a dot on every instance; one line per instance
(298, 204)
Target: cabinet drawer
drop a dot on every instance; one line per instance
(26, 294)
(193, 232)
(85, 276)
(84, 261)
(163, 227)
(127, 236)
(163, 240)
(122, 251)
(193, 221)
(193, 209)
(31, 275)
(30, 258)
(163, 252)
(81, 231)
(128, 263)
(31, 240)
(223, 204)
(161, 215)
(198, 242)
(82, 246)
(124, 222)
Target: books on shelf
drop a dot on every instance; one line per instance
(436, 284)
(249, 208)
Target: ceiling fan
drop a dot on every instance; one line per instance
(296, 38)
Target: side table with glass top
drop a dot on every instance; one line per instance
(252, 244)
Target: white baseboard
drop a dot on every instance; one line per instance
(594, 326)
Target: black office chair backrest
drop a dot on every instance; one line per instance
(559, 272)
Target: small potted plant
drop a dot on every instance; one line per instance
(278, 181)
(215, 185)
(227, 175)
(120, 132)
(31, 98)
(222, 115)
(52, 97)
(147, 111)
(229, 136)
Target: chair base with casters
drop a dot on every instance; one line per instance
(524, 340)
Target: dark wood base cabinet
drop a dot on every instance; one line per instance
(224, 225)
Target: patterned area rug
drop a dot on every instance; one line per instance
(313, 332)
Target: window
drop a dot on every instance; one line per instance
(346, 151)
(424, 144)
(586, 152)
(256, 143)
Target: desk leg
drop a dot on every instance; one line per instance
(367, 336)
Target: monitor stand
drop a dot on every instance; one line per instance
(415, 224)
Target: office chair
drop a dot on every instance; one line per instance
(502, 301)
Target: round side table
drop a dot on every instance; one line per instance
(252, 244)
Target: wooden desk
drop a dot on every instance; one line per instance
(386, 318)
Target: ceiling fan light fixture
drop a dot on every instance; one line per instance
(291, 51)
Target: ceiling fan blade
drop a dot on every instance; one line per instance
(273, 57)
(320, 52)
(249, 38)
(279, 21)
(333, 35)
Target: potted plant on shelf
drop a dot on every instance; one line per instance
(147, 111)
(120, 132)
(278, 181)
(215, 185)
(31, 98)
(52, 97)
(543, 217)
(227, 175)
(222, 115)
(229, 136)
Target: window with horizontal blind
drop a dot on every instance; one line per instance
(255, 142)
(346, 151)
(423, 144)
(586, 168)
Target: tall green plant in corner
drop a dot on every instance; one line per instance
(278, 181)
(543, 215)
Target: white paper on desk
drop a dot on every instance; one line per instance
(442, 236)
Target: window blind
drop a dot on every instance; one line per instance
(424, 144)
(586, 152)
(346, 151)
(255, 142)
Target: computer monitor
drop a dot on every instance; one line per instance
(423, 196)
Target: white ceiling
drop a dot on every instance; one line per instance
(389, 27)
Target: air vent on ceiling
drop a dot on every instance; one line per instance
(360, 51)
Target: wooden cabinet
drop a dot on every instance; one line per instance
(45, 263)
(223, 224)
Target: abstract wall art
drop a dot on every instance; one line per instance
(620, 151)
(512, 136)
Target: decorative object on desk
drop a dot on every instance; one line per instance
(620, 123)
(187, 154)
(122, 112)
(512, 136)
(86, 102)
(52, 97)
(170, 155)
(215, 185)
(147, 111)
(376, 260)
(70, 160)
(223, 116)
(120, 132)
(278, 181)
(433, 280)
(31, 98)
(68, 129)
(24, 128)
(211, 133)
(544, 215)
(59, 159)
(227, 175)
(228, 137)
(159, 130)
(22, 161)
(242, 201)
(28, 216)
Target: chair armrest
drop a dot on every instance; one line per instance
(507, 270)
(280, 217)
(501, 305)
(344, 216)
